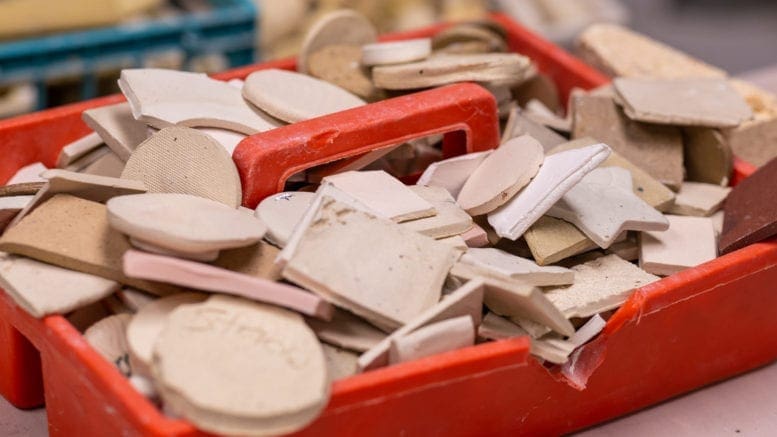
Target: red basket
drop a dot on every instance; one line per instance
(690, 329)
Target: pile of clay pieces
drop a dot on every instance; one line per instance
(238, 320)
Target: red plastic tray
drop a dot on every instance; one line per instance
(688, 330)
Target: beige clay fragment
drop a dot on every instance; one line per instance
(452, 173)
(450, 220)
(439, 337)
(347, 331)
(690, 241)
(117, 128)
(108, 338)
(699, 199)
(281, 212)
(342, 27)
(78, 148)
(502, 265)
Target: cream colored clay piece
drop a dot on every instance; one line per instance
(78, 148)
(117, 127)
(690, 241)
(502, 265)
(439, 337)
(452, 173)
(450, 220)
(28, 173)
(396, 52)
(108, 338)
(498, 328)
(342, 27)
(347, 331)
(699, 199)
(340, 363)
(281, 212)
(10, 207)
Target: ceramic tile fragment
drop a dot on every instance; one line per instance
(754, 142)
(475, 236)
(518, 124)
(496, 327)
(699, 199)
(656, 149)
(144, 328)
(449, 221)
(340, 64)
(600, 285)
(368, 265)
(281, 212)
(88, 159)
(588, 331)
(618, 51)
(91, 187)
(466, 300)
(396, 52)
(342, 27)
(255, 260)
(494, 68)
(108, 339)
(340, 363)
(73, 233)
(202, 276)
(347, 331)
(452, 173)
(78, 148)
(501, 175)
(603, 206)
(134, 299)
(502, 265)
(183, 223)
(28, 173)
(532, 328)
(539, 113)
(294, 97)
(228, 139)
(162, 98)
(710, 102)
(558, 174)
(382, 194)
(108, 165)
(278, 382)
(10, 206)
(552, 348)
(117, 127)
(435, 338)
(690, 241)
(183, 160)
(751, 210)
(707, 156)
(43, 289)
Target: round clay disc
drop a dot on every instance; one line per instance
(235, 367)
(294, 97)
(146, 325)
(281, 212)
(344, 27)
(494, 68)
(396, 52)
(183, 223)
(501, 175)
(341, 65)
(184, 160)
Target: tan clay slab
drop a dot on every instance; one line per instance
(339, 64)
(294, 97)
(162, 98)
(43, 289)
(117, 127)
(710, 102)
(347, 331)
(707, 156)
(495, 68)
(108, 339)
(146, 325)
(183, 223)
(502, 265)
(444, 336)
(450, 220)
(501, 175)
(90, 187)
(277, 371)
(452, 173)
(73, 233)
(343, 27)
(754, 142)
(183, 160)
(371, 266)
(281, 212)
(699, 199)
(23, 189)
(600, 285)
(77, 149)
(255, 260)
(108, 165)
(656, 149)
(690, 241)
(466, 300)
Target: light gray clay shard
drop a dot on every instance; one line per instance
(277, 373)
(690, 241)
(699, 199)
(558, 174)
(499, 328)
(293, 97)
(439, 337)
(396, 52)
(600, 285)
(78, 148)
(347, 331)
(183, 223)
(43, 289)
(186, 161)
(502, 265)
(383, 194)
(117, 128)
(465, 300)
(501, 175)
(281, 212)
(163, 98)
(370, 266)
(710, 102)
(452, 173)
(450, 219)
(108, 339)
(28, 173)
(603, 206)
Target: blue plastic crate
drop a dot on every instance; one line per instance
(228, 28)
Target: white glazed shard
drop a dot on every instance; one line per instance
(502, 265)
(452, 173)
(558, 174)
(603, 205)
(162, 98)
(690, 241)
(396, 52)
(117, 128)
(600, 285)
(450, 219)
(444, 336)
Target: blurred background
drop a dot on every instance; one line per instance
(53, 53)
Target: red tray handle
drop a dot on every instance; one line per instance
(465, 112)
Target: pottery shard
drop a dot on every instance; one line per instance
(688, 242)
(117, 128)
